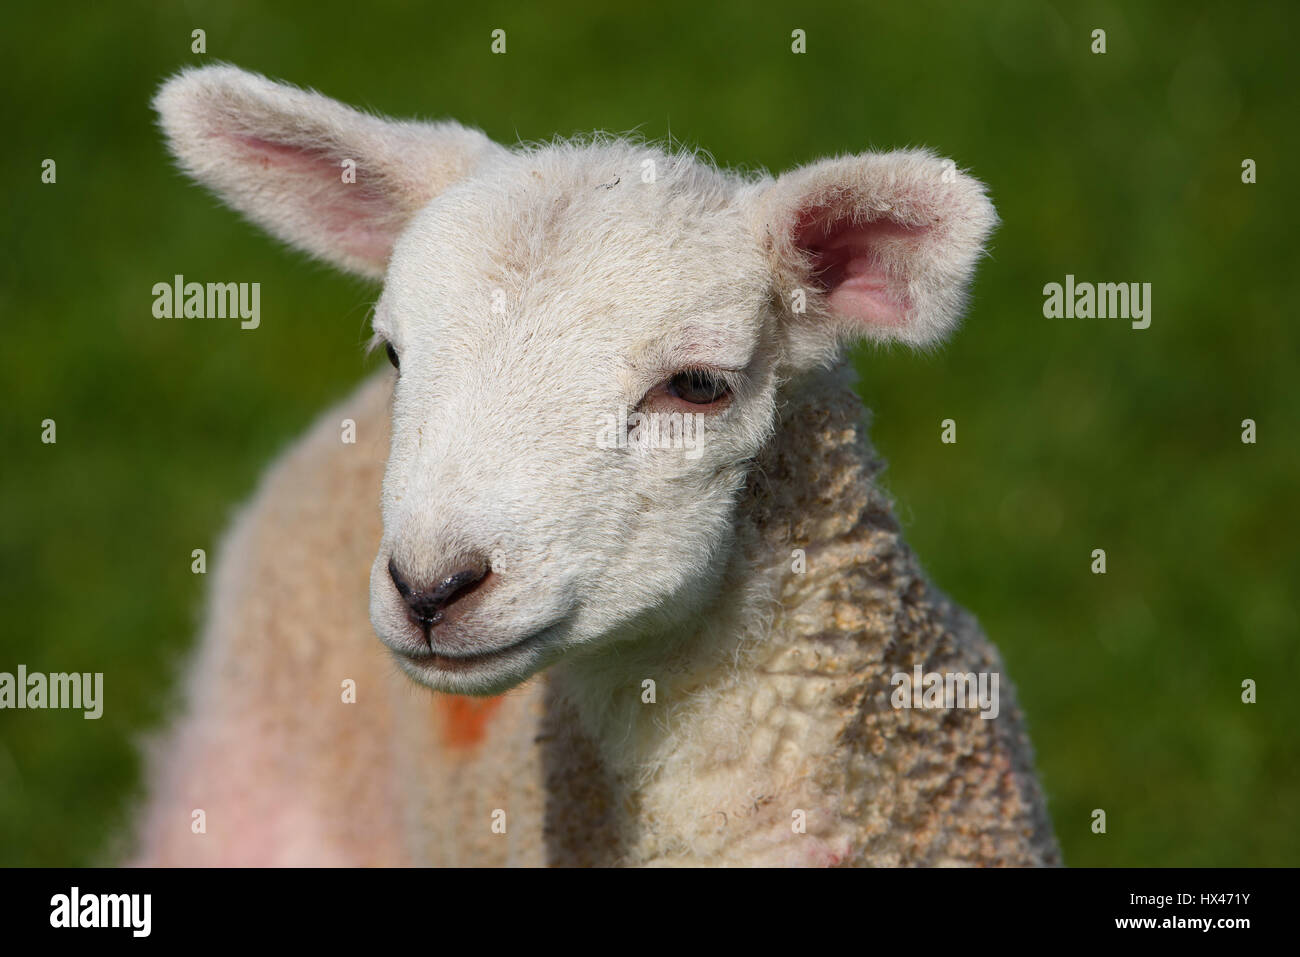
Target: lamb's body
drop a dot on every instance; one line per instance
(696, 646)
(780, 702)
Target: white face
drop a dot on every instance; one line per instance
(540, 301)
(535, 312)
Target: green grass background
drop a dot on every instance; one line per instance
(1072, 435)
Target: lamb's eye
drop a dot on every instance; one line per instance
(392, 355)
(698, 387)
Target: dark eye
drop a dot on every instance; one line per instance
(392, 355)
(698, 387)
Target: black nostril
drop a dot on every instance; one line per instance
(452, 588)
(403, 586)
(428, 604)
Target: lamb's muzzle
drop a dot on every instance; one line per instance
(432, 605)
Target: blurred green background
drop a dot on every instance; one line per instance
(1072, 434)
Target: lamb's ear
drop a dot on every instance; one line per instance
(280, 156)
(882, 245)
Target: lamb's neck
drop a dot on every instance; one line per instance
(809, 515)
(779, 705)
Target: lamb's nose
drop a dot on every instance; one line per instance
(430, 604)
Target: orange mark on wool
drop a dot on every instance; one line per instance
(464, 719)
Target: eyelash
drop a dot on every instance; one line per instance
(670, 392)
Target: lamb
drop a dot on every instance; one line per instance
(589, 653)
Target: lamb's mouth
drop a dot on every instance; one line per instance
(429, 660)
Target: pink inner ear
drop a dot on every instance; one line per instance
(850, 264)
(357, 218)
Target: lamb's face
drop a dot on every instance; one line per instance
(587, 366)
(590, 341)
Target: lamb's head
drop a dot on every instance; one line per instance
(592, 342)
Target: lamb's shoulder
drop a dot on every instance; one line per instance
(404, 774)
(908, 779)
(282, 744)
(831, 771)
(301, 742)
